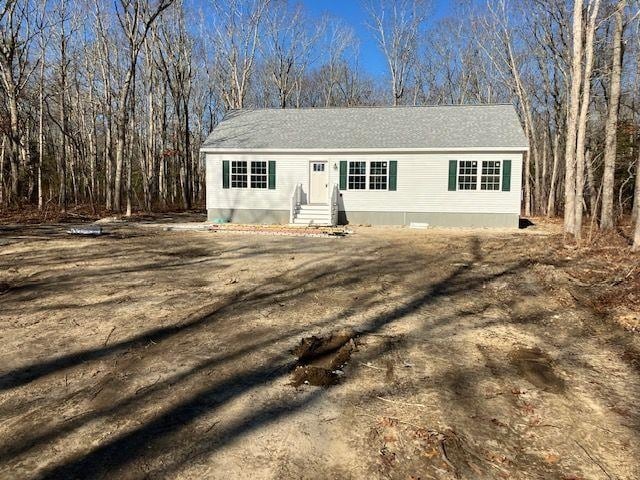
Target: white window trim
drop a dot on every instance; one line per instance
(386, 189)
(367, 170)
(458, 175)
(478, 176)
(499, 189)
(265, 175)
(366, 175)
(248, 175)
(231, 174)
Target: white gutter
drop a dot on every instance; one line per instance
(361, 150)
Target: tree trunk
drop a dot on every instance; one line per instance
(582, 121)
(2, 153)
(551, 201)
(14, 144)
(121, 124)
(41, 130)
(636, 235)
(572, 121)
(62, 157)
(187, 157)
(611, 137)
(591, 185)
(544, 174)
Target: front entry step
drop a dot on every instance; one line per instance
(319, 215)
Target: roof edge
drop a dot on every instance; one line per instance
(355, 107)
(516, 148)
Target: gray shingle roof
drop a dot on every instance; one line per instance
(438, 127)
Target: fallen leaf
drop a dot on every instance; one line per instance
(388, 422)
(552, 458)
(432, 453)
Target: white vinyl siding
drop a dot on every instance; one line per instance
(422, 183)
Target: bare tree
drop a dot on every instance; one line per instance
(116, 98)
(17, 34)
(636, 235)
(177, 67)
(582, 119)
(135, 18)
(572, 120)
(505, 60)
(339, 38)
(611, 126)
(287, 47)
(398, 25)
(236, 39)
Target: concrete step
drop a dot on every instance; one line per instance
(312, 216)
(301, 221)
(314, 208)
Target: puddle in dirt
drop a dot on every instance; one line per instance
(321, 359)
(536, 367)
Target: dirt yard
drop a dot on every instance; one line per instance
(158, 354)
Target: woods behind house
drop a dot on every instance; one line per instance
(107, 103)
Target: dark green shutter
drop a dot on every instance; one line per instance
(506, 175)
(272, 175)
(393, 175)
(453, 167)
(343, 175)
(225, 174)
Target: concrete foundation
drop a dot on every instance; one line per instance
(434, 219)
(263, 217)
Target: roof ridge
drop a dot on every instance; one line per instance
(390, 107)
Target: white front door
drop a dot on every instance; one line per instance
(318, 182)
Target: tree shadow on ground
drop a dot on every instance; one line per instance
(127, 447)
(161, 432)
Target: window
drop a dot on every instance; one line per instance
(490, 178)
(378, 176)
(357, 176)
(258, 174)
(238, 174)
(318, 167)
(467, 175)
(375, 175)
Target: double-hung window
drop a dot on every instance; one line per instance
(490, 178)
(373, 175)
(249, 174)
(378, 176)
(467, 175)
(485, 176)
(258, 174)
(357, 178)
(239, 174)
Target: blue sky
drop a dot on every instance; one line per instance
(353, 13)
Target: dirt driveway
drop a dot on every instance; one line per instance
(151, 354)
